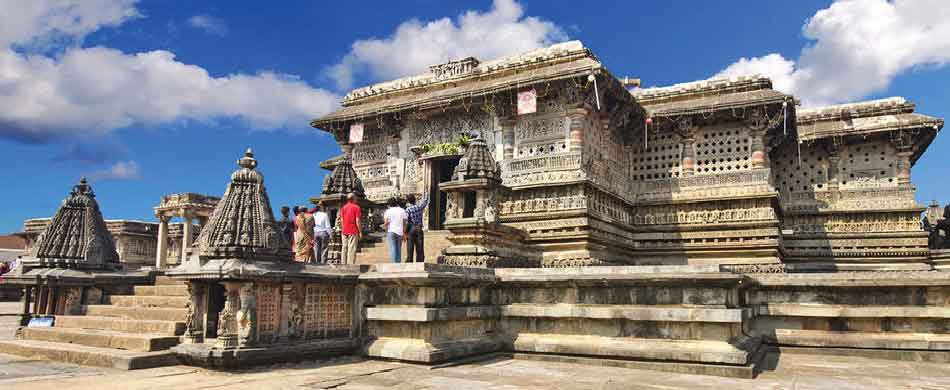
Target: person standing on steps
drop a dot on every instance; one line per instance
(321, 234)
(414, 233)
(394, 223)
(351, 218)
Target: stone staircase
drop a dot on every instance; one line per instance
(374, 250)
(130, 332)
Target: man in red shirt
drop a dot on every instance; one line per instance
(350, 216)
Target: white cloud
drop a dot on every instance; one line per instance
(210, 24)
(121, 170)
(415, 45)
(94, 90)
(858, 48)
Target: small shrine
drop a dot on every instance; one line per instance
(249, 302)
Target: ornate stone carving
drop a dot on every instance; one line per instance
(246, 316)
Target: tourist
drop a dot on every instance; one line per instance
(286, 226)
(321, 234)
(303, 244)
(351, 218)
(414, 233)
(394, 222)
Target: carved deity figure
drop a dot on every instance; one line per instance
(247, 315)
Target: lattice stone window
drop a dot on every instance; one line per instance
(268, 311)
(721, 150)
(327, 312)
(811, 174)
(659, 159)
(867, 165)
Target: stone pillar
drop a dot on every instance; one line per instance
(161, 252)
(27, 296)
(903, 167)
(51, 301)
(508, 138)
(247, 315)
(186, 236)
(227, 319)
(689, 157)
(758, 149)
(194, 326)
(833, 171)
(39, 300)
(577, 116)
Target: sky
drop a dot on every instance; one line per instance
(149, 97)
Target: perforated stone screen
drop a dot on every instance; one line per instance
(720, 150)
(327, 312)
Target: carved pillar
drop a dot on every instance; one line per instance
(51, 296)
(577, 116)
(903, 167)
(508, 138)
(227, 319)
(161, 251)
(194, 328)
(27, 297)
(689, 157)
(247, 315)
(833, 160)
(39, 300)
(758, 149)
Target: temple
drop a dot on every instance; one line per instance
(573, 216)
(726, 172)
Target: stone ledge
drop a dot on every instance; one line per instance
(629, 312)
(101, 338)
(132, 313)
(418, 350)
(207, 355)
(853, 311)
(88, 356)
(700, 351)
(149, 301)
(162, 290)
(621, 279)
(427, 274)
(853, 279)
(424, 314)
(876, 340)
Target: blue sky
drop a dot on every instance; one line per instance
(153, 97)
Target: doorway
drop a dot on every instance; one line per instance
(441, 172)
(216, 301)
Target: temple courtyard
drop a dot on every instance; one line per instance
(787, 371)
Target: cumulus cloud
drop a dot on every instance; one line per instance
(858, 47)
(415, 45)
(89, 91)
(121, 170)
(210, 24)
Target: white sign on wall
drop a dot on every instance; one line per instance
(527, 102)
(356, 132)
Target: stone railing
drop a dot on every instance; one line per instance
(552, 168)
(706, 186)
(863, 199)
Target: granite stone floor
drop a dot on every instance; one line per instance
(788, 371)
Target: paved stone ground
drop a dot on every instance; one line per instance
(789, 371)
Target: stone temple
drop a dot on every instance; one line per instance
(574, 216)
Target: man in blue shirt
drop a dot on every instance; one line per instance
(414, 235)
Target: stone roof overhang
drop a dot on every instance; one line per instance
(76, 277)
(575, 63)
(868, 118)
(703, 97)
(260, 270)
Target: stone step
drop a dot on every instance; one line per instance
(662, 313)
(167, 281)
(168, 328)
(852, 311)
(700, 351)
(848, 339)
(88, 356)
(166, 290)
(101, 338)
(137, 313)
(149, 301)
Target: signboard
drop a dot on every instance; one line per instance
(356, 133)
(527, 102)
(40, 322)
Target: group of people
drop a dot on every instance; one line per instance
(403, 223)
(311, 229)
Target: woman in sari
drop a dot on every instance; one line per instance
(303, 236)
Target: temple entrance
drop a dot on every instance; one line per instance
(441, 172)
(216, 300)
